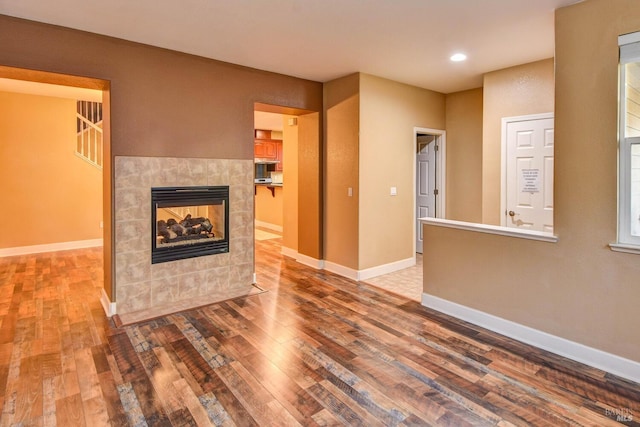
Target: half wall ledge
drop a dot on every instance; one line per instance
(491, 229)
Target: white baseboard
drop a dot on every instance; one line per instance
(581, 353)
(341, 270)
(379, 270)
(318, 264)
(291, 253)
(108, 306)
(50, 247)
(368, 273)
(273, 227)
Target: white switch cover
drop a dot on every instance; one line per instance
(350, 192)
(394, 191)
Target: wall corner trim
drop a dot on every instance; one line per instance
(391, 267)
(599, 359)
(318, 264)
(341, 270)
(108, 306)
(267, 225)
(291, 253)
(368, 273)
(50, 247)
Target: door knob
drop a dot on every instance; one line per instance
(512, 213)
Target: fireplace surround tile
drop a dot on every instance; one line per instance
(163, 291)
(142, 288)
(133, 236)
(218, 172)
(134, 298)
(133, 267)
(191, 172)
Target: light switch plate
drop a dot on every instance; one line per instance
(394, 191)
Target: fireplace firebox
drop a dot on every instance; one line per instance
(188, 222)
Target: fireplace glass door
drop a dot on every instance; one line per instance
(188, 222)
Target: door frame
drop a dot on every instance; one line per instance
(503, 160)
(441, 173)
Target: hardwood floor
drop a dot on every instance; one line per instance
(316, 349)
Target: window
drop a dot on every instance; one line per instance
(629, 149)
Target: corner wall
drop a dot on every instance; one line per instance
(290, 185)
(389, 112)
(464, 155)
(342, 127)
(516, 91)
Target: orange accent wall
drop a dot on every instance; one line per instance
(49, 194)
(269, 205)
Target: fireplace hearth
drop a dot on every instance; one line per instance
(189, 222)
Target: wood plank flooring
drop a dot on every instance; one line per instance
(316, 349)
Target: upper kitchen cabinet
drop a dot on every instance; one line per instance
(266, 148)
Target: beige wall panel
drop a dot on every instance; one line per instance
(290, 181)
(50, 194)
(577, 289)
(342, 105)
(389, 111)
(464, 155)
(516, 91)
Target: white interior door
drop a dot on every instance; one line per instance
(425, 182)
(529, 173)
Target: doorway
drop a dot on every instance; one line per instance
(78, 179)
(527, 172)
(301, 188)
(429, 178)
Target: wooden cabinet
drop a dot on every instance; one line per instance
(265, 149)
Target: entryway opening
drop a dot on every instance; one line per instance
(287, 182)
(429, 150)
(55, 163)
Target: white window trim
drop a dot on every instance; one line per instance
(626, 241)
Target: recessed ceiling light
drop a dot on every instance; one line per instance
(458, 57)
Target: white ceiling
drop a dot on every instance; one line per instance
(409, 41)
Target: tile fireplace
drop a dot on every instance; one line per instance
(144, 284)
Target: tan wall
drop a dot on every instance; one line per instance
(290, 184)
(464, 155)
(578, 288)
(516, 91)
(50, 195)
(342, 105)
(389, 111)
(269, 206)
